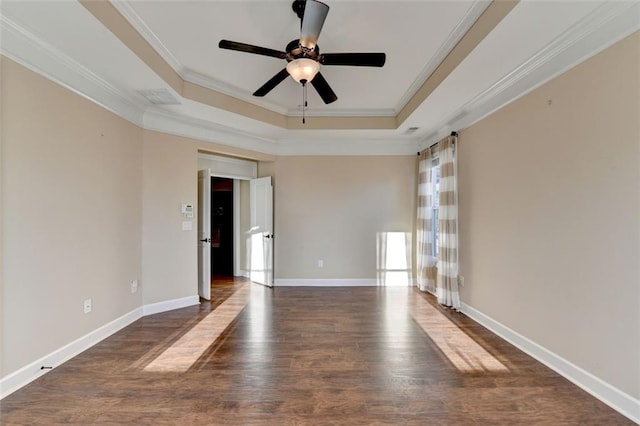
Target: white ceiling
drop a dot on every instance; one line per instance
(534, 42)
(350, 27)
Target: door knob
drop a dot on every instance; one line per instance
(206, 240)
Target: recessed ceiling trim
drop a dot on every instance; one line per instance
(342, 123)
(220, 100)
(311, 112)
(467, 21)
(141, 27)
(615, 21)
(347, 147)
(595, 21)
(603, 27)
(115, 22)
(110, 16)
(208, 82)
(204, 130)
(39, 56)
(487, 21)
(233, 91)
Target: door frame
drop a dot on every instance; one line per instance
(204, 237)
(236, 229)
(236, 169)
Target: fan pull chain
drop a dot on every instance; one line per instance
(304, 102)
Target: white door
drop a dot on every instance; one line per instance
(204, 234)
(260, 241)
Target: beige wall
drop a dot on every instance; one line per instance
(169, 254)
(549, 215)
(72, 209)
(89, 203)
(2, 138)
(332, 208)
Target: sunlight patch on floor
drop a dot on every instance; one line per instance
(181, 355)
(463, 352)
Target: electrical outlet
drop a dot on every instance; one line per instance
(134, 286)
(320, 263)
(87, 306)
(461, 280)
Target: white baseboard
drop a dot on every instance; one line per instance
(333, 282)
(615, 398)
(169, 305)
(32, 371)
(314, 282)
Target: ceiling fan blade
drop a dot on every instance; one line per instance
(272, 83)
(323, 89)
(354, 59)
(249, 48)
(315, 13)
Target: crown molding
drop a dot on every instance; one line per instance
(603, 27)
(467, 21)
(195, 77)
(291, 147)
(129, 13)
(228, 89)
(217, 85)
(39, 56)
(351, 112)
(195, 128)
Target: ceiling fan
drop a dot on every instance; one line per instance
(303, 55)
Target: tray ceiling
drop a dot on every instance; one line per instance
(448, 63)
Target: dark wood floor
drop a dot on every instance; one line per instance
(305, 356)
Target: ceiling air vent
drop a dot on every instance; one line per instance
(160, 97)
(411, 130)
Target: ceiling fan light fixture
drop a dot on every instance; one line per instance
(303, 69)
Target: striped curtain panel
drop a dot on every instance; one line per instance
(447, 282)
(425, 259)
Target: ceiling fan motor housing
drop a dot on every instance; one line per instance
(296, 51)
(303, 54)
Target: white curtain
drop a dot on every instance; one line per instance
(437, 270)
(425, 259)
(447, 282)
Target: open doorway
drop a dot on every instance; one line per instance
(235, 223)
(222, 214)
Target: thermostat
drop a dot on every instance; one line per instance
(187, 210)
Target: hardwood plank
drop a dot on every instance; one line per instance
(296, 356)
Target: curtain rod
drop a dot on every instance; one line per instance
(455, 134)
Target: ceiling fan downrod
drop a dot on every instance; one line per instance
(298, 8)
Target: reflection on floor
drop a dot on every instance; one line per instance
(222, 287)
(255, 355)
(183, 353)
